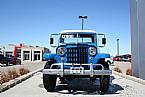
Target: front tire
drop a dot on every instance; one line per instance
(104, 83)
(49, 82)
(104, 79)
(109, 62)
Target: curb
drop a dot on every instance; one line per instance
(135, 79)
(18, 80)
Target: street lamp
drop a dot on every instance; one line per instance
(118, 47)
(82, 18)
(4, 50)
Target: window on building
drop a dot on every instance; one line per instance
(36, 55)
(26, 55)
(18, 53)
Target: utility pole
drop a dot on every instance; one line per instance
(117, 47)
(82, 18)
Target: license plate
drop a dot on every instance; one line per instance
(76, 70)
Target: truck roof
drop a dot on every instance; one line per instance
(78, 31)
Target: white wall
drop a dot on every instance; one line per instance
(137, 16)
(31, 54)
(134, 37)
(22, 53)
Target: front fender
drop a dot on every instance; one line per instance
(99, 56)
(47, 56)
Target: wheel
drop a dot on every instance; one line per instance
(104, 83)
(49, 82)
(104, 80)
(72, 91)
(101, 92)
(109, 62)
(69, 91)
(7, 63)
(18, 62)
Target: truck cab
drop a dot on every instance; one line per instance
(77, 56)
(4, 60)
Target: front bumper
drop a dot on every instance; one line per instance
(76, 70)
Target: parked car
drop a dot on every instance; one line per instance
(15, 61)
(7, 61)
(117, 58)
(126, 58)
(4, 60)
(109, 61)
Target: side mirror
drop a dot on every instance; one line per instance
(104, 41)
(51, 40)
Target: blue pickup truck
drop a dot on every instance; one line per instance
(77, 56)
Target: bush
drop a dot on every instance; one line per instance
(23, 71)
(0, 77)
(12, 74)
(4, 78)
(117, 69)
(129, 72)
(15, 74)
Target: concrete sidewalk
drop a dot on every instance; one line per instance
(122, 65)
(32, 66)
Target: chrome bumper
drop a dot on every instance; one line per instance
(61, 72)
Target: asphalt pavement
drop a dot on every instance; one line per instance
(33, 87)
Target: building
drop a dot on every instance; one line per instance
(24, 52)
(31, 53)
(7, 50)
(137, 17)
(1, 50)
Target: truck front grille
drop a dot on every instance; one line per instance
(77, 55)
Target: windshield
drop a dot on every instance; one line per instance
(77, 38)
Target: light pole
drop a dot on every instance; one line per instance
(117, 47)
(4, 50)
(82, 18)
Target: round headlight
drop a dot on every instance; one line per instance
(61, 51)
(92, 51)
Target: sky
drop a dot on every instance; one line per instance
(33, 21)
